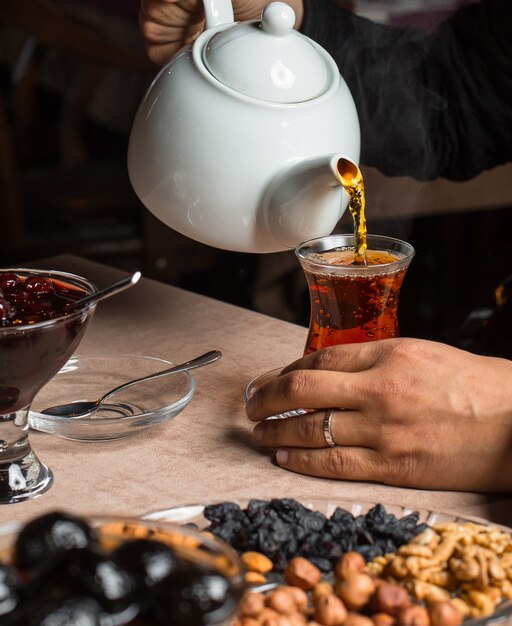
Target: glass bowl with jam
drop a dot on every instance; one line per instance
(40, 327)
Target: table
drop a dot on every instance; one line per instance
(206, 452)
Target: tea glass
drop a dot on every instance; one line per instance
(30, 355)
(349, 303)
(353, 303)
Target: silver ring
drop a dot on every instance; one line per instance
(328, 428)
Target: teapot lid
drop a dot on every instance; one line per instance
(268, 60)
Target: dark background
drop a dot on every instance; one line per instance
(68, 93)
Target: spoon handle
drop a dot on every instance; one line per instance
(204, 359)
(121, 285)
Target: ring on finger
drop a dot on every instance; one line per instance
(327, 427)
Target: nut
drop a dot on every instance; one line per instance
(465, 568)
(302, 573)
(354, 619)
(375, 568)
(444, 613)
(355, 591)
(389, 598)
(251, 604)
(446, 547)
(257, 562)
(428, 537)
(462, 606)
(495, 569)
(278, 620)
(413, 615)
(281, 600)
(299, 597)
(296, 619)
(397, 568)
(329, 610)
(247, 621)
(349, 563)
(442, 579)
(413, 549)
(268, 617)
(321, 589)
(482, 602)
(422, 590)
(254, 578)
(494, 593)
(383, 619)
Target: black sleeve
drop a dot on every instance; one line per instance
(430, 105)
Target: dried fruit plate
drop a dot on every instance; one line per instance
(194, 514)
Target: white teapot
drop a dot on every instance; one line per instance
(237, 140)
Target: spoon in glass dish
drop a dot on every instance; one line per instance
(85, 408)
(106, 292)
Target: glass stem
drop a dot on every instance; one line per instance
(14, 443)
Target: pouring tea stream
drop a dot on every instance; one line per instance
(237, 140)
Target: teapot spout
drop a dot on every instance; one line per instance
(306, 200)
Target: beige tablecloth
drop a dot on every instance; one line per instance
(206, 452)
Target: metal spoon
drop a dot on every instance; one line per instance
(106, 292)
(81, 409)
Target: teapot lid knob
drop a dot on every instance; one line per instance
(278, 19)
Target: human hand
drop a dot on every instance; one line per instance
(416, 414)
(167, 25)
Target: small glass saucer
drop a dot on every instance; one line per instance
(126, 412)
(261, 380)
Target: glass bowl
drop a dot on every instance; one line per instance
(211, 555)
(193, 514)
(44, 330)
(123, 414)
(263, 379)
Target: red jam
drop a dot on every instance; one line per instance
(31, 353)
(34, 298)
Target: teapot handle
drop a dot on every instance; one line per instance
(218, 12)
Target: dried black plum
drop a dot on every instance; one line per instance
(48, 536)
(314, 521)
(344, 518)
(370, 552)
(256, 509)
(147, 561)
(71, 611)
(323, 564)
(223, 512)
(81, 571)
(192, 597)
(9, 589)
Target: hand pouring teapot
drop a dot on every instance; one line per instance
(237, 139)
